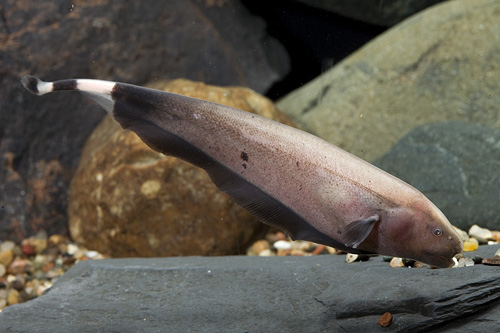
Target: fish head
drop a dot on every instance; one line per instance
(418, 231)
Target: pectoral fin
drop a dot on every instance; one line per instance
(357, 231)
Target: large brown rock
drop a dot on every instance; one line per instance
(129, 41)
(127, 200)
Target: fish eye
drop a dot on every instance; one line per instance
(437, 232)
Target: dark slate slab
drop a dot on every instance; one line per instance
(456, 165)
(256, 294)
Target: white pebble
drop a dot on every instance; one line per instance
(351, 257)
(41, 259)
(266, 253)
(7, 245)
(92, 254)
(469, 262)
(461, 263)
(282, 245)
(480, 234)
(497, 254)
(72, 248)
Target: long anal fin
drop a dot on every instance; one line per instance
(357, 231)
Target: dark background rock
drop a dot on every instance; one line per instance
(440, 64)
(315, 39)
(456, 165)
(136, 42)
(381, 12)
(257, 294)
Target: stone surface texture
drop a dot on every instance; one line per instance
(386, 13)
(218, 42)
(441, 64)
(456, 165)
(128, 200)
(257, 294)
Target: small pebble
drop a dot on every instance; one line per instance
(93, 254)
(495, 261)
(477, 260)
(72, 249)
(57, 240)
(17, 284)
(3, 270)
(68, 260)
(418, 264)
(319, 249)
(331, 250)
(282, 253)
(23, 296)
(266, 253)
(385, 319)
(396, 262)
(27, 249)
(469, 262)
(496, 235)
(465, 262)
(6, 257)
(13, 297)
(497, 254)
(351, 257)
(471, 245)
(18, 266)
(41, 289)
(408, 262)
(7, 245)
(481, 234)
(273, 237)
(258, 247)
(282, 245)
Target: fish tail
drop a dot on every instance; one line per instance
(98, 90)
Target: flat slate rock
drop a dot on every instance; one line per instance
(262, 294)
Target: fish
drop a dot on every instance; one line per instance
(290, 179)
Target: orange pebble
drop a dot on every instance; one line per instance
(385, 319)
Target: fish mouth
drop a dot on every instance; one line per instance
(438, 261)
(442, 261)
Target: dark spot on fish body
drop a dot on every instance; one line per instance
(65, 85)
(244, 156)
(297, 164)
(244, 165)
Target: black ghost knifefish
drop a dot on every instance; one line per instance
(289, 179)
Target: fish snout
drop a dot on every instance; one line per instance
(459, 247)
